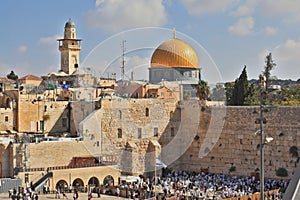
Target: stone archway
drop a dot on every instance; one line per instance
(94, 181)
(78, 184)
(108, 180)
(62, 185)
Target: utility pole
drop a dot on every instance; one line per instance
(262, 80)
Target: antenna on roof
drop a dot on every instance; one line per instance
(174, 32)
(123, 60)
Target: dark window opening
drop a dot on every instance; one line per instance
(139, 133)
(172, 132)
(155, 132)
(119, 133)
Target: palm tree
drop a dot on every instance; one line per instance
(202, 90)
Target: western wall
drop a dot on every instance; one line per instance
(184, 135)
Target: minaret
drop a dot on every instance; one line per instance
(69, 48)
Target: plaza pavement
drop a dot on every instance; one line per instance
(82, 196)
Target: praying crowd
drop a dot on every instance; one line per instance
(184, 185)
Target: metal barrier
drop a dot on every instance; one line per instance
(7, 184)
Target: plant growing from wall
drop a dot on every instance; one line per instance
(282, 172)
(294, 151)
(232, 169)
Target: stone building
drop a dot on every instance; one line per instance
(154, 120)
(69, 48)
(6, 84)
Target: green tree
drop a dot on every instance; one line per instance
(12, 75)
(241, 92)
(268, 67)
(229, 86)
(202, 90)
(288, 96)
(218, 93)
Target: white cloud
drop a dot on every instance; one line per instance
(270, 30)
(287, 8)
(198, 7)
(242, 27)
(22, 49)
(116, 15)
(286, 56)
(246, 9)
(49, 40)
(288, 51)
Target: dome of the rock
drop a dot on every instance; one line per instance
(175, 53)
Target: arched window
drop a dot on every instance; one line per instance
(147, 112)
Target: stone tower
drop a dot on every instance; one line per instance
(69, 48)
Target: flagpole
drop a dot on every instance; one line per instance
(155, 178)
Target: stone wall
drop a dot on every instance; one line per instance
(31, 112)
(50, 154)
(6, 119)
(238, 148)
(190, 137)
(5, 161)
(130, 124)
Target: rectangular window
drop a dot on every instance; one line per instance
(139, 133)
(119, 133)
(6, 118)
(64, 122)
(155, 132)
(172, 132)
(162, 94)
(42, 125)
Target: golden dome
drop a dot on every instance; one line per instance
(175, 53)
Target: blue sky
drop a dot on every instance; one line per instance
(226, 34)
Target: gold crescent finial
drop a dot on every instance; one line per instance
(174, 32)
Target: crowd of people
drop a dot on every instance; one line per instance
(186, 185)
(176, 184)
(23, 194)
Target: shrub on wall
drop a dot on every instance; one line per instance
(232, 169)
(294, 151)
(282, 172)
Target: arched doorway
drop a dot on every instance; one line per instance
(93, 181)
(93, 184)
(78, 184)
(108, 180)
(62, 185)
